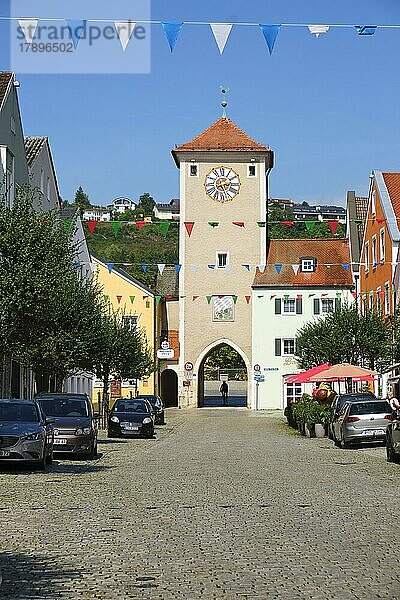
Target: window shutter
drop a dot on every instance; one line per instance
(338, 304)
(299, 306)
(278, 308)
(278, 347)
(316, 306)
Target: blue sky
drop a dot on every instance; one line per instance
(328, 107)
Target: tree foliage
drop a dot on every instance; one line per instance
(81, 199)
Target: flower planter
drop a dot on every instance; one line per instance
(319, 430)
(309, 431)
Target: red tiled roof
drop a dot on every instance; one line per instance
(222, 135)
(5, 78)
(392, 182)
(288, 252)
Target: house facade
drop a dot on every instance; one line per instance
(42, 174)
(97, 213)
(168, 212)
(120, 205)
(304, 279)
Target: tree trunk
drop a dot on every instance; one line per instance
(105, 400)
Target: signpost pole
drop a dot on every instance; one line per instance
(257, 386)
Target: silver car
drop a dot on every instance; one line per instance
(360, 422)
(26, 436)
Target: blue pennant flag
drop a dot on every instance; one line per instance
(211, 266)
(365, 29)
(144, 267)
(110, 267)
(77, 30)
(172, 31)
(278, 268)
(246, 267)
(346, 266)
(177, 268)
(270, 33)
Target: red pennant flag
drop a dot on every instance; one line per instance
(248, 299)
(140, 224)
(189, 227)
(354, 294)
(221, 297)
(144, 297)
(91, 225)
(333, 226)
(380, 221)
(195, 298)
(119, 298)
(299, 297)
(288, 223)
(381, 294)
(238, 223)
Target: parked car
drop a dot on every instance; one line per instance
(158, 407)
(393, 440)
(131, 416)
(338, 403)
(75, 428)
(26, 435)
(360, 422)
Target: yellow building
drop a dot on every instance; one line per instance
(138, 306)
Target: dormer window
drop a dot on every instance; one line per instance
(308, 264)
(193, 170)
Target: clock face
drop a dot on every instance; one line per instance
(222, 184)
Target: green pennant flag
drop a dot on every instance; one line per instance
(164, 226)
(213, 223)
(358, 221)
(261, 223)
(235, 299)
(286, 297)
(67, 224)
(310, 225)
(132, 299)
(208, 299)
(106, 298)
(158, 298)
(116, 225)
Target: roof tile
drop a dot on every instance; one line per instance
(5, 79)
(33, 146)
(392, 182)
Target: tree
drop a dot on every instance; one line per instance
(346, 336)
(223, 357)
(81, 199)
(146, 205)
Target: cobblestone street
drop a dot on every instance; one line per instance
(222, 504)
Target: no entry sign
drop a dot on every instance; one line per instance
(188, 366)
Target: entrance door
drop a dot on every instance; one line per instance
(222, 363)
(169, 388)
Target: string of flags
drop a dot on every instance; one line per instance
(172, 30)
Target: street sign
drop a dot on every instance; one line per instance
(165, 345)
(259, 378)
(165, 354)
(189, 375)
(257, 368)
(188, 366)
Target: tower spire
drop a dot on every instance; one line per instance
(224, 104)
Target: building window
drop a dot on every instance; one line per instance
(373, 203)
(382, 244)
(308, 265)
(327, 305)
(364, 304)
(378, 300)
(131, 322)
(9, 178)
(193, 170)
(222, 260)
(374, 261)
(293, 392)
(366, 256)
(42, 181)
(223, 309)
(288, 347)
(251, 172)
(371, 301)
(12, 124)
(387, 298)
(48, 189)
(289, 306)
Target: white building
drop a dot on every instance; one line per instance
(97, 213)
(120, 205)
(42, 173)
(303, 280)
(167, 212)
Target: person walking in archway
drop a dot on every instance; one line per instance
(224, 392)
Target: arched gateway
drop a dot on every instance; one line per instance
(222, 237)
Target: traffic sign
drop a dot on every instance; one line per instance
(257, 368)
(188, 366)
(165, 345)
(165, 354)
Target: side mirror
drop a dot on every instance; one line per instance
(49, 420)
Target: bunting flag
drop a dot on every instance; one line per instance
(208, 299)
(124, 31)
(195, 298)
(158, 299)
(272, 296)
(211, 266)
(119, 298)
(328, 266)
(333, 226)
(164, 226)
(91, 224)
(106, 298)
(246, 267)
(116, 225)
(144, 267)
(194, 268)
(338, 295)
(213, 223)
(288, 223)
(261, 223)
(235, 299)
(261, 267)
(354, 294)
(28, 27)
(286, 297)
(110, 267)
(189, 227)
(177, 268)
(238, 223)
(346, 266)
(381, 293)
(318, 29)
(77, 30)
(365, 29)
(76, 264)
(172, 31)
(380, 221)
(221, 33)
(145, 297)
(248, 298)
(278, 268)
(310, 225)
(295, 268)
(358, 221)
(140, 224)
(161, 268)
(299, 297)
(132, 299)
(311, 295)
(324, 295)
(270, 33)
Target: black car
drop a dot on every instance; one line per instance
(158, 407)
(26, 436)
(340, 401)
(131, 416)
(75, 428)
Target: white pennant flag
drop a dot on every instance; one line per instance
(28, 28)
(194, 268)
(228, 268)
(261, 267)
(124, 30)
(221, 33)
(318, 29)
(161, 268)
(295, 268)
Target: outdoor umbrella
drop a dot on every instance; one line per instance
(345, 371)
(304, 376)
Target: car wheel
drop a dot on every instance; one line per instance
(41, 464)
(49, 458)
(390, 453)
(93, 451)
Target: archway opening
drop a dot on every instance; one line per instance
(222, 364)
(169, 388)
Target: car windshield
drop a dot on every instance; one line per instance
(64, 407)
(130, 406)
(369, 408)
(24, 413)
(355, 398)
(154, 400)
